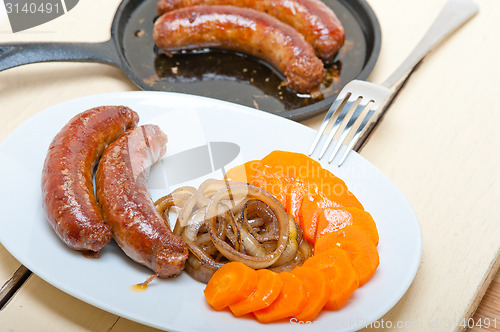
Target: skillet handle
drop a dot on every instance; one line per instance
(17, 54)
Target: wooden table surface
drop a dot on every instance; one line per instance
(438, 143)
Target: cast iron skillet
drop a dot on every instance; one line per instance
(223, 75)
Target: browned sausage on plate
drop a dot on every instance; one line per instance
(67, 189)
(122, 193)
(243, 30)
(312, 18)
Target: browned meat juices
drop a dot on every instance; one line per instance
(127, 207)
(312, 18)
(67, 189)
(244, 30)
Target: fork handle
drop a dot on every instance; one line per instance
(453, 15)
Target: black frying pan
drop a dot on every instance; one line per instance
(223, 75)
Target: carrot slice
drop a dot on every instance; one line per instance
(295, 195)
(331, 220)
(317, 288)
(291, 164)
(274, 183)
(313, 203)
(245, 172)
(289, 303)
(231, 283)
(360, 249)
(334, 188)
(268, 288)
(336, 265)
(334, 219)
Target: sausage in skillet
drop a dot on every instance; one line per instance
(243, 30)
(312, 18)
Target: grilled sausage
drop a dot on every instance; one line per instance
(67, 189)
(312, 18)
(122, 193)
(243, 30)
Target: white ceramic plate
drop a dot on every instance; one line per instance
(178, 304)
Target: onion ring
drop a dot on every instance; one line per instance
(231, 221)
(249, 191)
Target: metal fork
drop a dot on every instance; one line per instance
(361, 94)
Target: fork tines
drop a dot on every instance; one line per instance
(348, 107)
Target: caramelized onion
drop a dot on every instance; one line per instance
(176, 198)
(231, 221)
(262, 216)
(304, 251)
(207, 189)
(199, 270)
(249, 191)
(293, 243)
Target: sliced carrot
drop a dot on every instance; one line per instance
(336, 265)
(360, 249)
(273, 182)
(336, 218)
(364, 221)
(317, 288)
(291, 164)
(268, 288)
(334, 188)
(295, 195)
(331, 220)
(312, 205)
(289, 303)
(325, 242)
(245, 172)
(231, 283)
